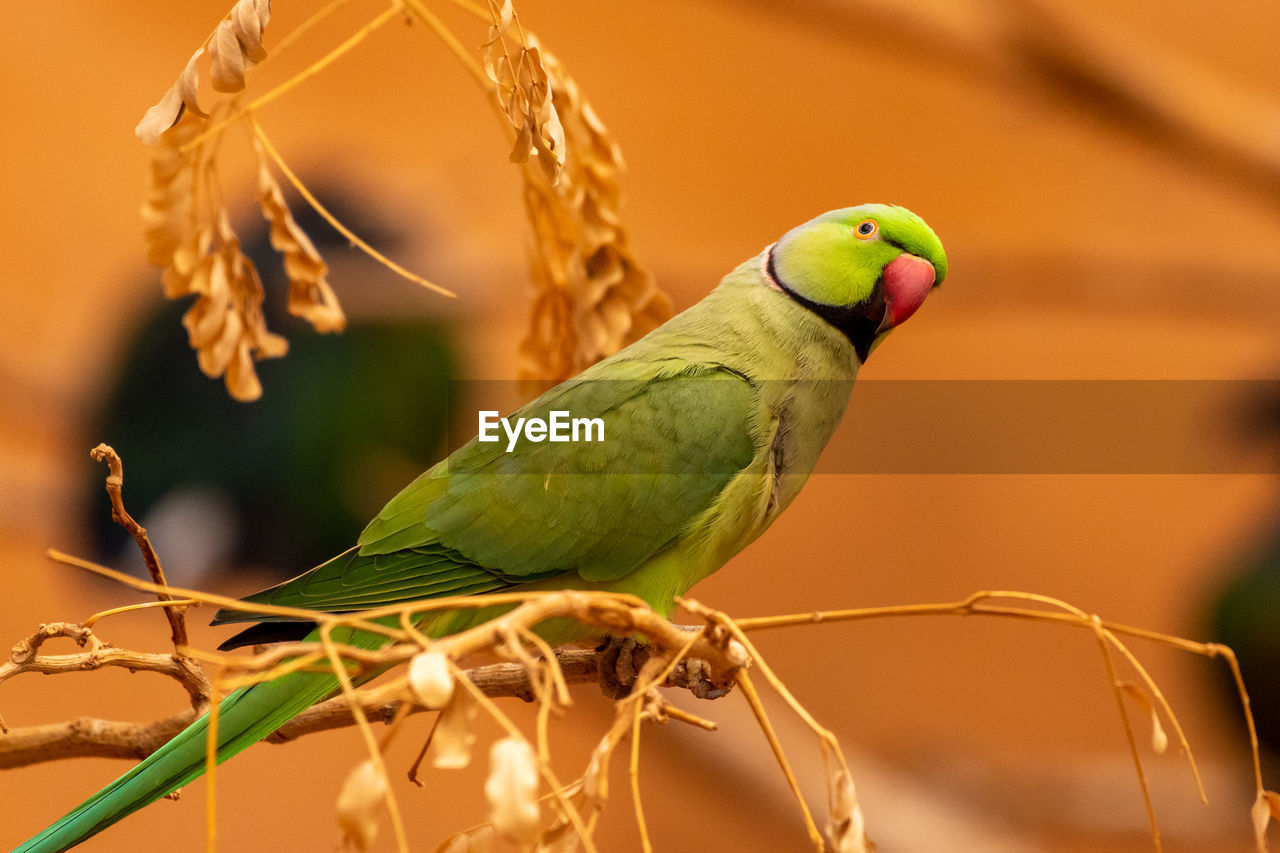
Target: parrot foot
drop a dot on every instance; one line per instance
(622, 658)
(695, 675)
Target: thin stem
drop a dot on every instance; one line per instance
(557, 790)
(297, 32)
(966, 607)
(645, 845)
(1247, 706)
(1072, 617)
(544, 716)
(115, 490)
(549, 655)
(371, 740)
(686, 717)
(146, 605)
(757, 708)
(1164, 705)
(464, 55)
(1129, 735)
(297, 664)
(302, 76)
(261, 136)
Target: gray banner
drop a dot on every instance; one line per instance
(928, 426)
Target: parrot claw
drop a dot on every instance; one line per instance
(695, 675)
(622, 659)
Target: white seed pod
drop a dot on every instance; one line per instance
(358, 803)
(512, 791)
(430, 679)
(453, 736)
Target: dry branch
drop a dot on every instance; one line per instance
(592, 296)
(666, 662)
(25, 657)
(705, 660)
(87, 737)
(115, 489)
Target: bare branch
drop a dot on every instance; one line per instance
(87, 737)
(25, 657)
(115, 488)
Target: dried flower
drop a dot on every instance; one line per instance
(477, 840)
(523, 89)
(358, 803)
(1266, 808)
(1159, 740)
(845, 823)
(430, 679)
(591, 297)
(225, 324)
(453, 736)
(512, 791)
(234, 47)
(310, 296)
(177, 99)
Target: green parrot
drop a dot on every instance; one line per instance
(711, 425)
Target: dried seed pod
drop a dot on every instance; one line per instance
(430, 679)
(358, 804)
(454, 734)
(310, 296)
(512, 791)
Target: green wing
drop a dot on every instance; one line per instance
(596, 508)
(485, 519)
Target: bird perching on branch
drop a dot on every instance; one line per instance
(711, 425)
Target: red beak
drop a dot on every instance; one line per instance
(907, 281)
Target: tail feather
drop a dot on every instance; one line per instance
(244, 718)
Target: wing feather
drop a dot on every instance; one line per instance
(671, 445)
(485, 520)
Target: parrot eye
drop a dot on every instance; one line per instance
(867, 229)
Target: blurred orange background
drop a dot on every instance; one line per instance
(1091, 235)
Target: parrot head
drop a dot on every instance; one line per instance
(864, 270)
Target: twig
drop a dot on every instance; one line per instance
(544, 769)
(95, 738)
(1132, 741)
(115, 488)
(25, 657)
(757, 707)
(645, 844)
(130, 608)
(722, 646)
(978, 604)
(375, 749)
(261, 137)
(307, 73)
(87, 737)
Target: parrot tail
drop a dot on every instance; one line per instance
(244, 718)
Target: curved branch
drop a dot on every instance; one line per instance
(115, 489)
(87, 737)
(25, 657)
